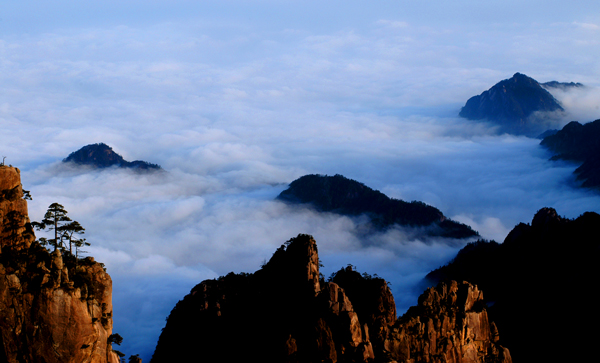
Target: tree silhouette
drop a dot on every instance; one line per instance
(70, 230)
(65, 230)
(54, 220)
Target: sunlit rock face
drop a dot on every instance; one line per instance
(540, 279)
(450, 324)
(52, 307)
(285, 313)
(519, 105)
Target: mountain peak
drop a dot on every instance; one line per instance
(272, 314)
(101, 155)
(511, 104)
(338, 194)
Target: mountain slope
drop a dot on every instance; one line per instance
(511, 104)
(285, 313)
(345, 196)
(102, 156)
(539, 281)
(579, 143)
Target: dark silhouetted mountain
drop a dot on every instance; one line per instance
(562, 85)
(540, 282)
(285, 312)
(547, 133)
(513, 104)
(102, 156)
(579, 143)
(344, 196)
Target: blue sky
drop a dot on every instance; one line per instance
(235, 99)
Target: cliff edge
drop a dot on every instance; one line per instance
(54, 308)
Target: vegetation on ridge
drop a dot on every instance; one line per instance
(345, 196)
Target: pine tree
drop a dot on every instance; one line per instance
(54, 220)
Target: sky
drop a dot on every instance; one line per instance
(237, 98)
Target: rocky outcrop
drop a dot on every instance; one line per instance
(540, 281)
(450, 324)
(53, 307)
(15, 229)
(285, 313)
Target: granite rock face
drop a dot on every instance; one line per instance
(52, 307)
(450, 324)
(285, 313)
(14, 219)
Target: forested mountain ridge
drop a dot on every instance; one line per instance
(103, 156)
(338, 194)
(579, 143)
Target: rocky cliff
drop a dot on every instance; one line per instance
(53, 308)
(286, 312)
(450, 324)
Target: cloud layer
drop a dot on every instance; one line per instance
(236, 104)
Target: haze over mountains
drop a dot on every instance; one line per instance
(236, 99)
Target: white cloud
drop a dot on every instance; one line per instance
(234, 107)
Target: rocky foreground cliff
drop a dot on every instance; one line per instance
(53, 307)
(286, 312)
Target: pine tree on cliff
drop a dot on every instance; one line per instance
(64, 228)
(70, 231)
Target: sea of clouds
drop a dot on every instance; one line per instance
(236, 105)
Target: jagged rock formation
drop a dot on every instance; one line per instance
(52, 307)
(341, 195)
(539, 282)
(581, 144)
(285, 313)
(102, 156)
(450, 324)
(511, 105)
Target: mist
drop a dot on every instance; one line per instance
(236, 104)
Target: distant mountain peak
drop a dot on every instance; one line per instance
(338, 194)
(101, 155)
(511, 103)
